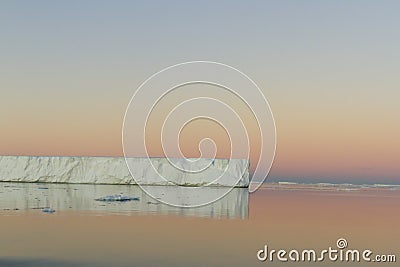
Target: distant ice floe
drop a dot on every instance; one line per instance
(347, 187)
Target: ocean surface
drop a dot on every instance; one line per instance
(111, 225)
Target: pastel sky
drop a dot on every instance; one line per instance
(330, 71)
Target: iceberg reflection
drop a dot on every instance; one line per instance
(85, 198)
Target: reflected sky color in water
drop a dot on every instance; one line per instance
(82, 198)
(282, 216)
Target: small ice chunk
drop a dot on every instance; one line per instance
(48, 210)
(117, 198)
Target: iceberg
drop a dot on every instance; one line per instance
(114, 170)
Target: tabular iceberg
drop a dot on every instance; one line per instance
(113, 170)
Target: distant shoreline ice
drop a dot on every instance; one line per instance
(328, 186)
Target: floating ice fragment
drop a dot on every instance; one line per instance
(117, 198)
(153, 203)
(48, 210)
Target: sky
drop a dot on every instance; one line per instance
(330, 71)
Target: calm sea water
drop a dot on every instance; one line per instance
(230, 232)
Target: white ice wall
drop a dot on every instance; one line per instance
(113, 170)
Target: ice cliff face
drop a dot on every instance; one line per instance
(113, 170)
